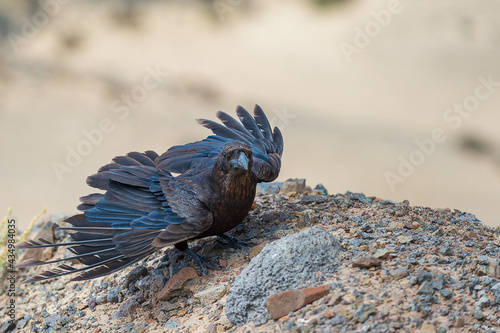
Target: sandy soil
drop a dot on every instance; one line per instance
(345, 123)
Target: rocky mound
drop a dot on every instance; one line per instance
(342, 262)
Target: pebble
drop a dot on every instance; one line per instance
(294, 185)
(281, 304)
(170, 324)
(135, 274)
(363, 312)
(425, 288)
(211, 295)
(366, 262)
(177, 282)
(383, 253)
(399, 273)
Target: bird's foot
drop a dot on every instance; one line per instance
(233, 242)
(203, 262)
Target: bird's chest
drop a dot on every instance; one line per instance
(232, 205)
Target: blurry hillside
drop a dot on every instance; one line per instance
(359, 88)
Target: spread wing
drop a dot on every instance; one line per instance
(266, 144)
(142, 210)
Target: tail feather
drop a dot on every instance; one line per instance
(117, 228)
(65, 270)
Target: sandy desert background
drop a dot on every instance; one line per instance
(356, 87)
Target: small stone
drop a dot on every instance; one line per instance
(428, 328)
(383, 253)
(212, 328)
(82, 306)
(482, 302)
(399, 273)
(281, 304)
(405, 239)
(114, 295)
(425, 288)
(211, 295)
(177, 282)
(171, 324)
(307, 218)
(478, 314)
(366, 228)
(309, 199)
(101, 299)
(437, 280)
(321, 189)
(135, 274)
(366, 262)
(446, 293)
(129, 307)
(363, 312)
(460, 322)
(446, 250)
(294, 185)
(329, 314)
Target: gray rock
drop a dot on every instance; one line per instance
(294, 185)
(482, 302)
(171, 324)
(478, 314)
(272, 188)
(135, 274)
(425, 288)
(114, 295)
(288, 263)
(129, 307)
(55, 320)
(399, 273)
(363, 312)
(321, 189)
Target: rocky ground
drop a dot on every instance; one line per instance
(345, 262)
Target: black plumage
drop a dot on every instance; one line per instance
(145, 208)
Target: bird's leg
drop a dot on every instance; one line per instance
(202, 261)
(233, 241)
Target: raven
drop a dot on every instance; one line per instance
(146, 208)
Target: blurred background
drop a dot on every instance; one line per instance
(395, 99)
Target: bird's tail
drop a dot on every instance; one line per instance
(117, 228)
(95, 246)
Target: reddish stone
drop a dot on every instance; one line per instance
(283, 303)
(177, 282)
(366, 262)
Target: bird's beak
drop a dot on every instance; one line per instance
(241, 162)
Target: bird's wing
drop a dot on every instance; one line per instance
(266, 144)
(185, 197)
(119, 227)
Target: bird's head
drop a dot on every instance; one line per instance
(236, 157)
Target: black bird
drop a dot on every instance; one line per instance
(145, 208)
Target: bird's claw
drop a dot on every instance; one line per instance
(233, 242)
(203, 262)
